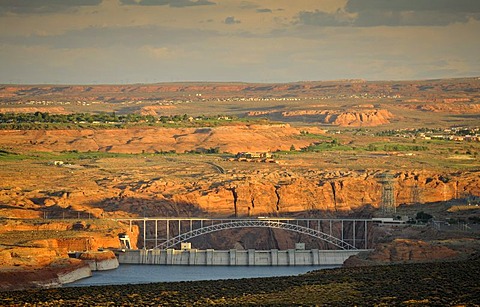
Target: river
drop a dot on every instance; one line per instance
(139, 274)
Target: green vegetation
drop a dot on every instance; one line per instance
(395, 147)
(74, 155)
(41, 117)
(11, 156)
(333, 145)
(64, 155)
(211, 150)
(423, 217)
(313, 136)
(40, 120)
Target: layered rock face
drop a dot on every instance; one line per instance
(362, 116)
(452, 106)
(36, 254)
(276, 194)
(100, 260)
(349, 118)
(331, 192)
(56, 274)
(411, 250)
(238, 193)
(414, 250)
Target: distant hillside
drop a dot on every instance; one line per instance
(427, 89)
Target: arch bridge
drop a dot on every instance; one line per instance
(166, 233)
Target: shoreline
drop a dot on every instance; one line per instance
(58, 273)
(55, 275)
(436, 283)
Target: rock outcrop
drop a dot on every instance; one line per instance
(444, 107)
(414, 250)
(56, 274)
(276, 193)
(402, 250)
(231, 139)
(35, 254)
(100, 260)
(331, 192)
(350, 118)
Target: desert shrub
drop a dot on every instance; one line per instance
(423, 217)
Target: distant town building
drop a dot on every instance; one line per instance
(254, 155)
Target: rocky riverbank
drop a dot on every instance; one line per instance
(56, 274)
(100, 261)
(59, 272)
(434, 284)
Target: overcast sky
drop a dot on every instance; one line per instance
(146, 41)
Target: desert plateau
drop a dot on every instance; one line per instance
(75, 158)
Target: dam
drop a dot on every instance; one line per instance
(345, 237)
(233, 257)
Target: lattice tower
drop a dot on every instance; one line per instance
(388, 194)
(416, 194)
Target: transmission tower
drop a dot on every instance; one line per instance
(416, 194)
(388, 194)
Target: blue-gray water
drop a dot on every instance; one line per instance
(135, 274)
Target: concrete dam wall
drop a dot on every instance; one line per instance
(233, 257)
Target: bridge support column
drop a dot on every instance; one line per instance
(274, 259)
(315, 258)
(291, 257)
(251, 257)
(233, 257)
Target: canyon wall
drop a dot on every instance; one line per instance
(278, 193)
(275, 194)
(331, 192)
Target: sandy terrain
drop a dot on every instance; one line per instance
(231, 139)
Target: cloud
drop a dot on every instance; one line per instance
(417, 5)
(104, 37)
(158, 52)
(309, 39)
(409, 18)
(370, 13)
(230, 20)
(264, 10)
(171, 3)
(247, 5)
(412, 13)
(319, 18)
(43, 7)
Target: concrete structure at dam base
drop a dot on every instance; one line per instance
(234, 257)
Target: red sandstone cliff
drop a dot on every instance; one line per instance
(353, 118)
(255, 194)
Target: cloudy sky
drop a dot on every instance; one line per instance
(146, 41)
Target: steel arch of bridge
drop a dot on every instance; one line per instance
(232, 224)
(166, 232)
